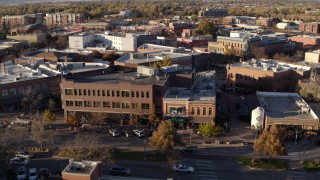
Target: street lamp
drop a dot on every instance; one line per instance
(145, 150)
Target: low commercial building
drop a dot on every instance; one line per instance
(286, 109)
(213, 12)
(265, 75)
(312, 57)
(307, 42)
(192, 105)
(84, 170)
(193, 41)
(262, 21)
(30, 38)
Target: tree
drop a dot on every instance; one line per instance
(210, 129)
(206, 27)
(271, 142)
(39, 134)
(96, 54)
(51, 104)
(194, 17)
(48, 116)
(61, 43)
(258, 53)
(165, 137)
(86, 147)
(152, 117)
(32, 99)
(73, 121)
(111, 57)
(166, 61)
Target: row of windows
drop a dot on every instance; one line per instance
(21, 90)
(251, 78)
(239, 45)
(105, 104)
(108, 93)
(204, 111)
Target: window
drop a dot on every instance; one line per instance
(93, 92)
(125, 93)
(204, 111)
(108, 93)
(13, 91)
(112, 93)
(142, 94)
(80, 92)
(98, 91)
(192, 111)
(115, 104)
(96, 104)
(5, 92)
(198, 111)
(89, 92)
(125, 105)
(118, 93)
(106, 104)
(84, 92)
(132, 93)
(147, 94)
(37, 88)
(137, 94)
(68, 92)
(135, 106)
(75, 92)
(78, 103)
(87, 104)
(44, 86)
(69, 103)
(20, 90)
(145, 106)
(103, 93)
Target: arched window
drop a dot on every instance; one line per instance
(198, 111)
(13, 91)
(204, 111)
(192, 111)
(210, 111)
(20, 90)
(4, 92)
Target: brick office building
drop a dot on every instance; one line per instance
(311, 27)
(122, 95)
(307, 42)
(266, 75)
(64, 19)
(190, 42)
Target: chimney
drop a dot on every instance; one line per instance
(65, 58)
(3, 68)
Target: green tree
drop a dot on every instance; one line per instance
(166, 61)
(210, 129)
(73, 121)
(48, 116)
(271, 142)
(165, 137)
(206, 27)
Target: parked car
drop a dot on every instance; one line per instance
(2, 124)
(22, 173)
(33, 174)
(189, 149)
(114, 132)
(183, 168)
(139, 133)
(19, 161)
(120, 170)
(24, 154)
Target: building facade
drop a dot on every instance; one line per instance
(64, 19)
(265, 75)
(190, 42)
(311, 28)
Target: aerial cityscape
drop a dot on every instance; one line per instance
(160, 90)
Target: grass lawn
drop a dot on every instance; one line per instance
(263, 163)
(137, 155)
(311, 166)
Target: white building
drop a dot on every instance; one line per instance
(312, 57)
(122, 42)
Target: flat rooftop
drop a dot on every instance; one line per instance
(116, 77)
(285, 106)
(16, 73)
(270, 65)
(314, 52)
(83, 167)
(141, 58)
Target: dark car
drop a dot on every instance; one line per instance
(189, 149)
(120, 170)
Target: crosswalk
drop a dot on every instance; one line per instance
(206, 170)
(293, 156)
